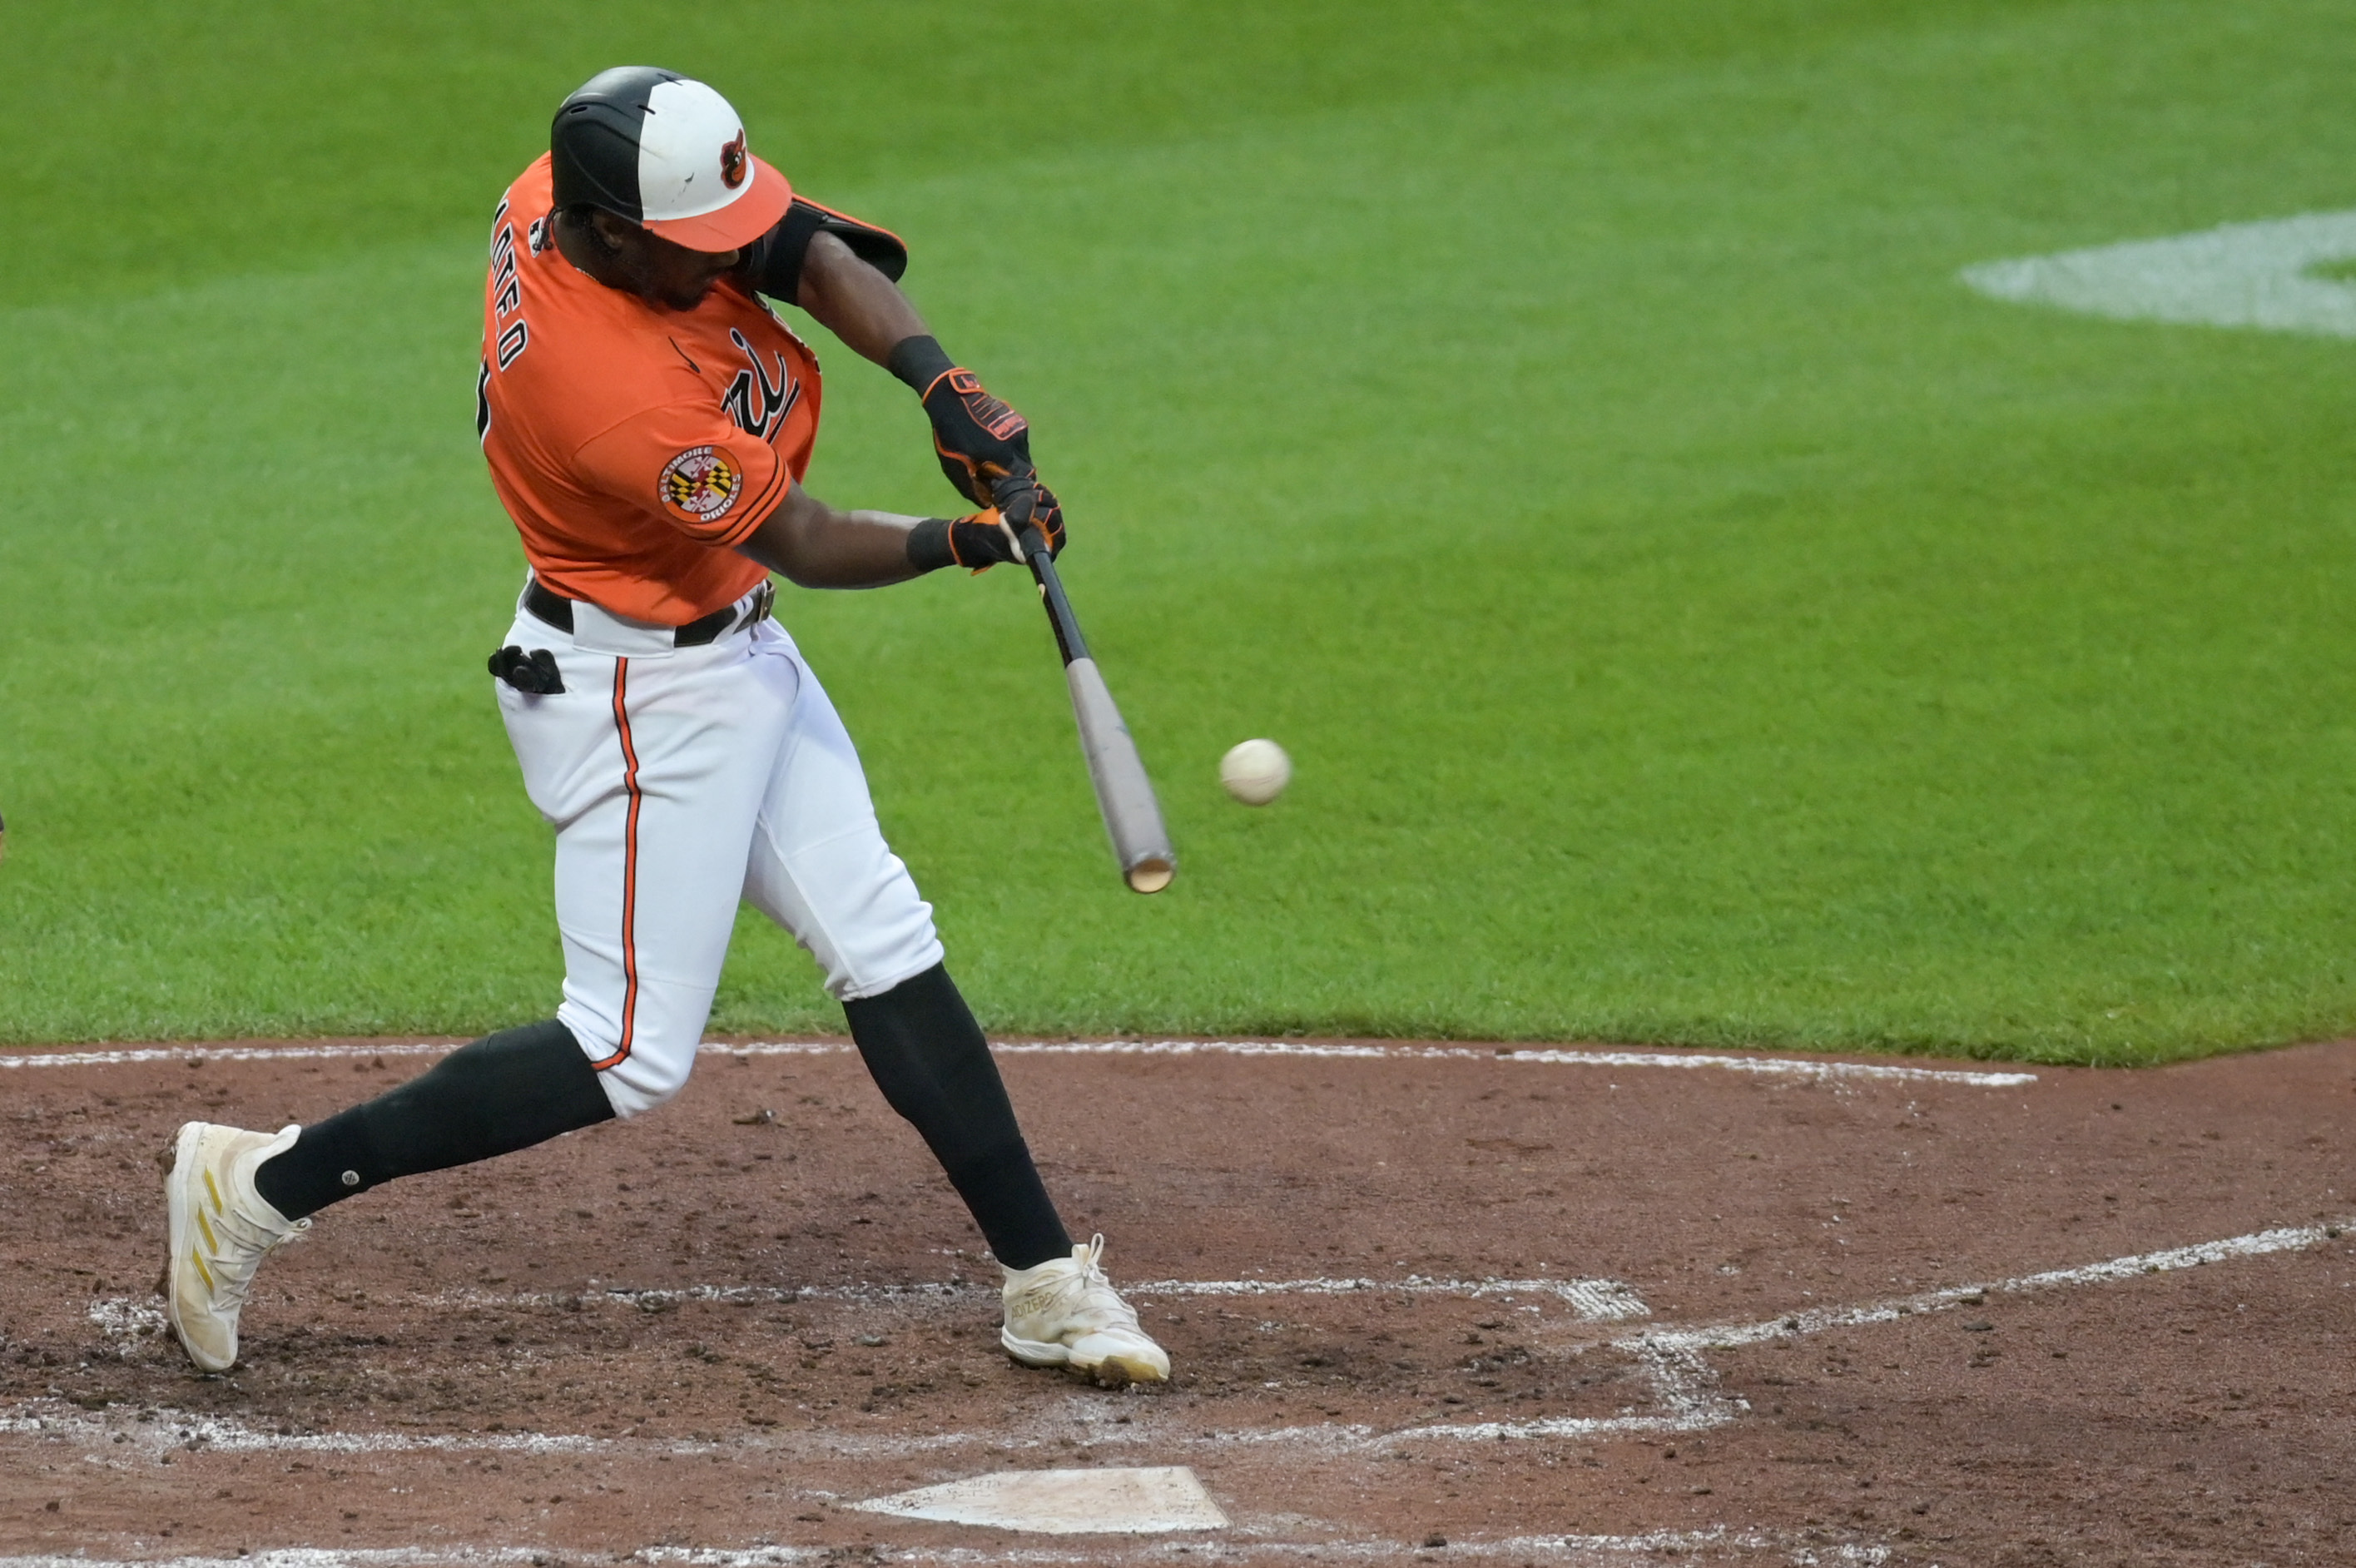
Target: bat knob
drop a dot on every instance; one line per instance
(1015, 495)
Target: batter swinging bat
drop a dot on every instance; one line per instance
(1131, 815)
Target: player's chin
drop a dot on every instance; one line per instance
(687, 296)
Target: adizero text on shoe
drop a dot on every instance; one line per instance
(220, 1229)
(1064, 1313)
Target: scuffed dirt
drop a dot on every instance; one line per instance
(721, 1325)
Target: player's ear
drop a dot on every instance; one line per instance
(612, 230)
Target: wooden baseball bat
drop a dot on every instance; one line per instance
(1132, 816)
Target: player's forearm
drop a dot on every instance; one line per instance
(978, 439)
(814, 545)
(855, 302)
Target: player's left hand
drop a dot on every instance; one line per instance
(978, 438)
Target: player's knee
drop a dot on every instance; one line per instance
(884, 960)
(643, 1075)
(636, 1086)
(643, 1053)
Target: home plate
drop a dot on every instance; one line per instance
(1066, 1502)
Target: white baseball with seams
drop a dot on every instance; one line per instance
(1256, 771)
(681, 781)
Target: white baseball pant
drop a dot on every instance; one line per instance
(679, 781)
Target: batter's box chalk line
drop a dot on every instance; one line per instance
(1590, 1301)
(1684, 1392)
(128, 1319)
(1763, 1067)
(1717, 1543)
(1568, 1550)
(1703, 1545)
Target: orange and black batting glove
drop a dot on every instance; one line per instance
(975, 543)
(1022, 500)
(978, 438)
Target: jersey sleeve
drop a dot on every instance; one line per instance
(773, 263)
(689, 464)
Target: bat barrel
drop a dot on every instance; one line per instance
(1133, 817)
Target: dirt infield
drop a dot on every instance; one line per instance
(1443, 1304)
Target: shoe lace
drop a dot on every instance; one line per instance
(1081, 1295)
(241, 1244)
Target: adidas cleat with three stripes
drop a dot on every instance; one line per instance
(220, 1229)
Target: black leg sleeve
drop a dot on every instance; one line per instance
(504, 1092)
(929, 1059)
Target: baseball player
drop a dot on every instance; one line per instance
(648, 419)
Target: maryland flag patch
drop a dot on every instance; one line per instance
(700, 484)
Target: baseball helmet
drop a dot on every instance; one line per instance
(666, 152)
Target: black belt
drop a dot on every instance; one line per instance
(557, 611)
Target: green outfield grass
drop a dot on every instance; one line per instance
(1694, 616)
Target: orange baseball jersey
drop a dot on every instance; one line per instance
(633, 446)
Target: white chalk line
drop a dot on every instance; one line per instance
(1561, 1549)
(130, 1319)
(165, 1429)
(196, 1056)
(1768, 1067)
(1686, 1392)
(124, 1317)
(1684, 1384)
(1772, 1067)
(127, 1317)
(1592, 1301)
(2256, 1244)
(1688, 1395)
(1570, 1550)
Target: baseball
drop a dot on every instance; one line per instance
(1256, 771)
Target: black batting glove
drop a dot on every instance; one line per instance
(987, 538)
(1022, 500)
(976, 543)
(978, 438)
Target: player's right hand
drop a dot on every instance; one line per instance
(986, 538)
(981, 540)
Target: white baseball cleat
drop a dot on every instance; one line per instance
(1064, 1313)
(220, 1229)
